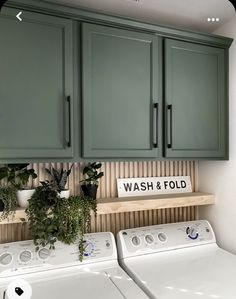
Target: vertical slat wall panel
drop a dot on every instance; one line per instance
(107, 188)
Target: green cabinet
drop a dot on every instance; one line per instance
(36, 120)
(195, 101)
(121, 93)
(123, 73)
(147, 92)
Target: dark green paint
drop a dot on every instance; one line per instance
(120, 85)
(36, 76)
(195, 87)
(40, 131)
(127, 23)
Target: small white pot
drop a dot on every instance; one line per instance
(64, 194)
(23, 196)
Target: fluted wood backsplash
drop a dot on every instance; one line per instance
(107, 188)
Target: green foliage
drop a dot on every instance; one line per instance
(52, 218)
(8, 197)
(59, 178)
(91, 173)
(17, 175)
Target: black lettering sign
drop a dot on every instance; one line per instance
(136, 186)
(177, 185)
(183, 184)
(143, 186)
(128, 187)
(149, 186)
(165, 184)
(158, 186)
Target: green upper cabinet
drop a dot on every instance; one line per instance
(121, 89)
(36, 120)
(70, 89)
(195, 101)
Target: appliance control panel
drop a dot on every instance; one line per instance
(156, 238)
(22, 257)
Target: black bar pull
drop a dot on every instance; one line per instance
(155, 125)
(169, 126)
(68, 99)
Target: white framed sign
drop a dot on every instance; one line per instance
(153, 186)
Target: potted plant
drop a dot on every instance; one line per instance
(18, 175)
(54, 219)
(59, 181)
(90, 183)
(8, 201)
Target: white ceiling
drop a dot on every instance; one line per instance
(190, 14)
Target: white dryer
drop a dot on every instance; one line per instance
(58, 274)
(178, 261)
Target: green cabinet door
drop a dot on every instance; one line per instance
(35, 86)
(121, 106)
(195, 101)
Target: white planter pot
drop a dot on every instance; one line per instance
(64, 194)
(23, 196)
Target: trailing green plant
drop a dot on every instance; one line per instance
(54, 219)
(59, 178)
(74, 219)
(91, 173)
(17, 175)
(9, 200)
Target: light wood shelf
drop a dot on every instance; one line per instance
(134, 204)
(19, 217)
(138, 203)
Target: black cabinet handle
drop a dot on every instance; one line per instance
(155, 125)
(68, 142)
(169, 126)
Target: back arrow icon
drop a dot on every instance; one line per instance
(18, 16)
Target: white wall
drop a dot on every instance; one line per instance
(220, 177)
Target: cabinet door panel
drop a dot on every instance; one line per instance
(195, 91)
(36, 77)
(119, 89)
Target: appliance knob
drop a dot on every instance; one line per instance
(88, 248)
(192, 233)
(25, 256)
(6, 258)
(149, 239)
(162, 237)
(44, 253)
(136, 241)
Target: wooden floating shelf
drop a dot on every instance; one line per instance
(142, 203)
(19, 217)
(138, 203)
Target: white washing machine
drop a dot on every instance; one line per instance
(178, 261)
(58, 274)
